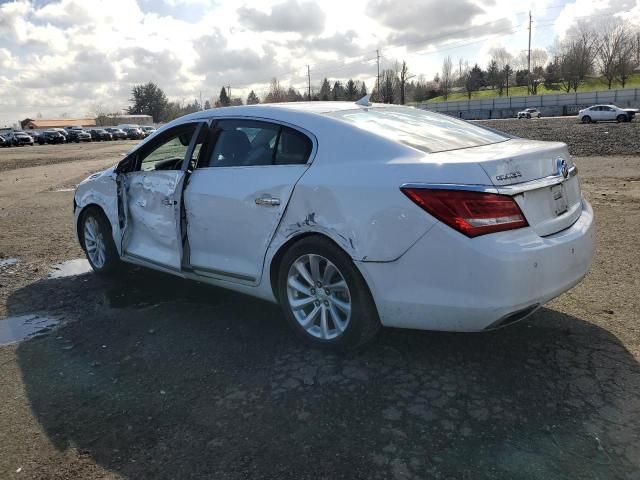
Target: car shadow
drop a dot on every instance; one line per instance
(155, 377)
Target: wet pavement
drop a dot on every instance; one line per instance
(17, 328)
(70, 268)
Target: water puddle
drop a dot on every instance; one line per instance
(5, 262)
(70, 268)
(21, 327)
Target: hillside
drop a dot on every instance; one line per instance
(591, 84)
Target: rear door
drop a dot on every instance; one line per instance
(150, 185)
(236, 196)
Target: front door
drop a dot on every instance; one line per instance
(152, 189)
(236, 196)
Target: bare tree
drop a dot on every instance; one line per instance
(502, 59)
(276, 93)
(404, 76)
(625, 62)
(446, 79)
(577, 55)
(613, 37)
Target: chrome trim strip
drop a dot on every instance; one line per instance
(452, 186)
(220, 273)
(513, 189)
(147, 261)
(549, 181)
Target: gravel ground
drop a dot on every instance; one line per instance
(609, 138)
(150, 377)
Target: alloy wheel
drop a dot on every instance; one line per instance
(319, 297)
(94, 242)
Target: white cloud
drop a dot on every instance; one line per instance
(66, 55)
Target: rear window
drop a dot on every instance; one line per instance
(421, 129)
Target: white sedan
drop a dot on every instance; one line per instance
(611, 113)
(350, 215)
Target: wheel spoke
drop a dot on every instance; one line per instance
(341, 285)
(324, 324)
(344, 306)
(337, 321)
(298, 303)
(310, 318)
(314, 264)
(304, 273)
(298, 286)
(328, 274)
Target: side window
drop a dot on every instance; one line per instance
(170, 152)
(244, 143)
(293, 148)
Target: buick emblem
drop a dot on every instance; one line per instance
(562, 167)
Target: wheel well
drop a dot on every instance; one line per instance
(90, 206)
(277, 258)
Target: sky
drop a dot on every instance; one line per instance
(71, 57)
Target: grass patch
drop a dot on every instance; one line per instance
(589, 85)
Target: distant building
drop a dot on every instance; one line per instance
(44, 123)
(113, 120)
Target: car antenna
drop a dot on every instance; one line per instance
(364, 101)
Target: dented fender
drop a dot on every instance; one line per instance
(100, 189)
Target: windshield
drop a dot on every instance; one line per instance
(421, 129)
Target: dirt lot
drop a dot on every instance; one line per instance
(602, 138)
(152, 377)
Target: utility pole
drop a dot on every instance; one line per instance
(309, 82)
(529, 59)
(201, 105)
(229, 92)
(378, 77)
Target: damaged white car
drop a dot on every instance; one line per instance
(350, 215)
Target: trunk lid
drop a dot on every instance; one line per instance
(539, 175)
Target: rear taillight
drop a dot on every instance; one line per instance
(471, 213)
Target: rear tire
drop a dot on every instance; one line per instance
(324, 297)
(97, 242)
(586, 119)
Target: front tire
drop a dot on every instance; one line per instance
(621, 118)
(586, 119)
(324, 297)
(97, 242)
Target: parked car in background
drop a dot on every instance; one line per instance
(51, 136)
(62, 132)
(100, 134)
(350, 215)
(116, 133)
(79, 135)
(3, 142)
(22, 138)
(18, 138)
(606, 113)
(134, 133)
(529, 113)
(147, 130)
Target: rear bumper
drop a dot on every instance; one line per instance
(447, 281)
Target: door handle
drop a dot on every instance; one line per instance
(267, 200)
(168, 202)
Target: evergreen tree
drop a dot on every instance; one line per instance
(252, 99)
(325, 90)
(224, 100)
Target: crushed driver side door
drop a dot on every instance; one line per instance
(150, 197)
